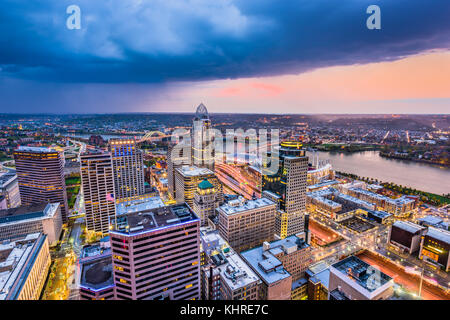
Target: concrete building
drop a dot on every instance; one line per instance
(289, 185)
(279, 264)
(245, 224)
(44, 217)
(354, 279)
(187, 179)
(156, 254)
(24, 265)
(40, 172)
(9, 188)
(128, 166)
(435, 248)
(406, 236)
(206, 200)
(97, 180)
(225, 276)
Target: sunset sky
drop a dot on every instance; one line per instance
(255, 56)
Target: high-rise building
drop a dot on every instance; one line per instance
(288, 187)
(245, 224)
(156, 254)
(40, 172)
(97, 180)
(128, 168)
(225, 276)
(206, 200)
(187, 179)
(9, 188)
(24, 264)
(202, 139)
(176, 158)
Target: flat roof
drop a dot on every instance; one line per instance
(155, 218)
(356, 269)
(97, 274)
(192, 171)
(13, 260)
(439, 234)
(6, 177)
(432, 220)
(241, 205)
(408, 226)
(34, 211)
(233, 270)
(35, 149)
(141, 204)
(267, 266)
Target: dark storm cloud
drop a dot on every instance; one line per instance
(167, 40)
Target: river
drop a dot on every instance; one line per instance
(417, 175)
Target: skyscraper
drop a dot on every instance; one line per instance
(128, 168)
(288, 187)
(187, 179)
(98, 189)
(40, 172)
(202, 144)
(175, 159)
(156, 254)
(206, 200)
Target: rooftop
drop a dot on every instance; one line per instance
(357, 270)
(192, 171)
(240, 205)
(269, 268)
(408, 226)
(431, 220)
(233, 270)
(97, 274)
(143, 203)
(6, 177)
(35, 149)
(205, 184)
(14, 257)
(439, 234)
(155, 218)
(34, 211)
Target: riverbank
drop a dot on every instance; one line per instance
(348, 148)
(407, 158)
(420, 176)
(426, 197)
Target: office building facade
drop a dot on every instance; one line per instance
(289, 185)
(187, 179)
(97, 180)
(245, 224)
(44, 218)
(156, 254)
(24, 265)
(9, 188)
(128, 166)
(40, 173)
(206, 200)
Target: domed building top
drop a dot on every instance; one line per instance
(201, 112)
(205, 184)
